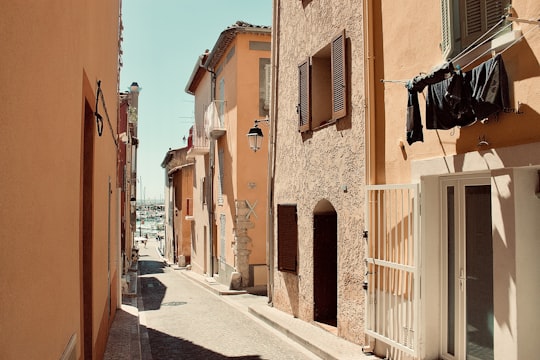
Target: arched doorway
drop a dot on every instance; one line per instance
(325, 263)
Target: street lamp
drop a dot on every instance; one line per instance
(255, 135)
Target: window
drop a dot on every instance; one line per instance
(220, 177)
(465, 21)
(287, 238)
(221, 103)
(322, 86)
(265, 84)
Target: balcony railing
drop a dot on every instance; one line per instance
(200, 142)
(214, 119)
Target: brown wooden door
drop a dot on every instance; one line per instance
(325, 268)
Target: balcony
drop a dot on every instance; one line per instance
(214, 119)
(200, 143)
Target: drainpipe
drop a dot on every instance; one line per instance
(271, 151)
(369, 107)
(210, 182)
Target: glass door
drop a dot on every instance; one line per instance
(468, 269)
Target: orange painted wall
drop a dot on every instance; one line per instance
(187, 193)
(247, 177)
(405, 59)
(252, 166)
(53, 54)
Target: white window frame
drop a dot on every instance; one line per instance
(453, 28)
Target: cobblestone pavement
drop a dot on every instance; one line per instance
(182, 320)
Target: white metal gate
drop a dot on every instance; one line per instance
(393, 264)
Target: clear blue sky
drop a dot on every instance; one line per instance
(162, 42)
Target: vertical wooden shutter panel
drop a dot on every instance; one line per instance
(287, 238)
(446, 27)
(494, 12)
(339, 77)
(473, 17)
(304, 111)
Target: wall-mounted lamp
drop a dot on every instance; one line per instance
(133, 201)
(255, 135)
(134, 87)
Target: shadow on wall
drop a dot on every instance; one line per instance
(520, 123)
(291, 284)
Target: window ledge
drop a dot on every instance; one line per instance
(497, 44)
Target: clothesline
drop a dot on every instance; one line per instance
(480, 41)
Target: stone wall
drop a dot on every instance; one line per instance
(326, 164)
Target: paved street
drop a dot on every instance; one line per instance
(183, 320)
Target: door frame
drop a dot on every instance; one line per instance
(459, 182)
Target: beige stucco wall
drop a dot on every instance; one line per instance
(53, 55)
(200, 252)
(184, 248)
(328, 165)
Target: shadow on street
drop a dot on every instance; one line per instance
(164, 346)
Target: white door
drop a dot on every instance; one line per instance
(467, 269)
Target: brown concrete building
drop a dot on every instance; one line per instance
(178, 205)
(231, 88)
(58, 155)
(127, 174)
(406, 191)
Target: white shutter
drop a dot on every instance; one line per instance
(267, 85)
(447, 41)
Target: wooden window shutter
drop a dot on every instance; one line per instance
(304, 108)
(287, 238)
(339, 77)
(480, 16)
(473, 21)
(495, 9)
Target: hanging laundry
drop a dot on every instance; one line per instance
(414, 121)
(489, 83)
(457, 99)
(448, 104)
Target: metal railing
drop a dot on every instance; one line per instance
(393, 267)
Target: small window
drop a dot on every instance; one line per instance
(265, 86)
(220, 174)
(287, 238)
(322, 86)
(465, 21)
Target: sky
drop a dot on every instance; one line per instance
(162, 42)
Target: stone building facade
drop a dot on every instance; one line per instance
(318, 124)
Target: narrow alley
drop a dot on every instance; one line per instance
(182, 320)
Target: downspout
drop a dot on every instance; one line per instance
(369, 66)
(210, 190)
(369, 107)
(271, 151)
